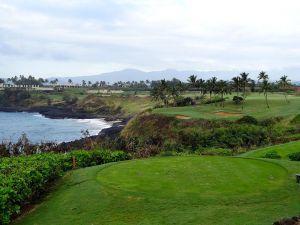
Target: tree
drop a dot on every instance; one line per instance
(201, 85)
(263, 75)
(167, 90)
(284, 83)
(237, 84)
(192, 81)
(245, 80)
(70, 81)
(222, 88)
(83, 83)
(265, 88)
(54, 82)
(160, 92)
(211, 86)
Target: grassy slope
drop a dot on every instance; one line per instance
(283, 150)
(174, 190)
(128, 101)
(254, 106)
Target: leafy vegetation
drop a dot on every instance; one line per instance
(148, 134)
(295, 156)
(272, 155)
(24, 178)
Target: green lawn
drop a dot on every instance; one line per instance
(174, 190)
(283, 150)
(254, 106)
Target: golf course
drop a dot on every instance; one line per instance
(254, 106)
(199, 152)
(175, 190)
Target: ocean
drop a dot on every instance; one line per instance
(41, 129)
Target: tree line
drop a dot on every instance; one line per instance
(172, 90)
(169, 91)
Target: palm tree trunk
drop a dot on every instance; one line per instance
(285, 95)
(223, 100)
(244, 94)
(266, 96)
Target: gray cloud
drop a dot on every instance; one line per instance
(89, 37)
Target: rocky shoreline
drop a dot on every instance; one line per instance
(59, 112)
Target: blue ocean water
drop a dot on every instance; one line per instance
(39, 128)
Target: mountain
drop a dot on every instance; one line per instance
(137, 75)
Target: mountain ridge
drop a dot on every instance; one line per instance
(130, 74)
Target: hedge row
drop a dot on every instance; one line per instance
(24, 178)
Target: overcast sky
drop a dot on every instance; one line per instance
(81, 37)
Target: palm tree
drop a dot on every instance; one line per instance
(263, 75)
(201, 85)
(237, 84)
(211, 86)
(284, 83)
(245, 80)
(222, 88)
(192, 81)
(159, 92)
(54, 82)
(265, 88)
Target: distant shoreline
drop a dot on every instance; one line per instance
(55, 112)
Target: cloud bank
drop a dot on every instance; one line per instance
(51, 37)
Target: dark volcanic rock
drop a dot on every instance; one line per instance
(61, 112)
(115, 130)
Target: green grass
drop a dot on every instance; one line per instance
(254, 106)
(130, 104)
(173, 190)
(283, 150)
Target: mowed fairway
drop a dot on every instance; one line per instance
(173, 190)
(254, 106)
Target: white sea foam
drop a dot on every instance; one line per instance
(39, 128)
(38, 115)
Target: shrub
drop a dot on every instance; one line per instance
(184, 101)
(272, 155)
(270, 121)
(247, 120)
(215, 100)
(70, 99)
(237, 99)
(294, 156)
(24, 178)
